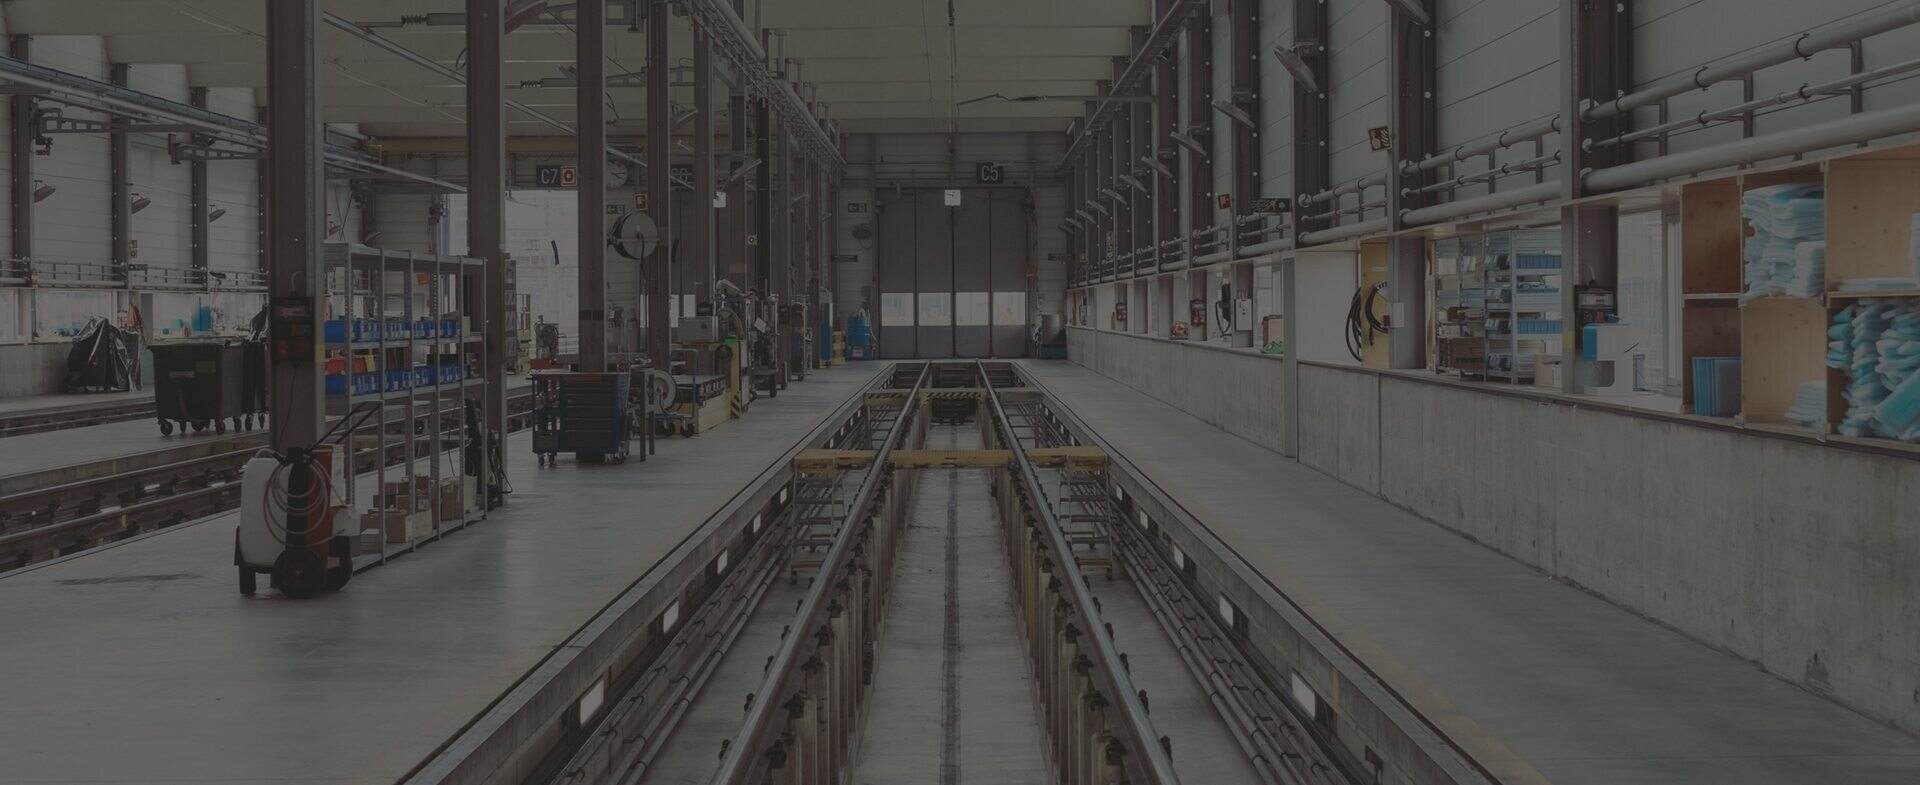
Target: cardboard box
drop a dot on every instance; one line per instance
(392, 522)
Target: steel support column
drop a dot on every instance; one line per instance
(20, 155)
(1312, 124)
(1199, 95)
(197, 209)
(590, 76)
(1119, 163)
(295, 209)
(1166, 120)
(1595, 65)
(487, 217)
(1244, 60)
(659, 183)
(119, 185)
(1412, 63)
(705, 250)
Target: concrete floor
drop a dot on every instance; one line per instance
(141, 663)
(1539, 681)
(952, 697)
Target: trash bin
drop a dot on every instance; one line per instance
(207, 383)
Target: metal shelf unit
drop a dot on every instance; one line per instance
(403, 333)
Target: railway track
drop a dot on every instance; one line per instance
(63, 417)
(42, 523)
(798, 624)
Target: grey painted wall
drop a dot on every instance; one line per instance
(1798, 557)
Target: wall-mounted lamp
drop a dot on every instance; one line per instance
(1190, 143)
(1101, 209)
(1297, 66)
(1155, 164)
(521, 12)
(1116, 196)
(741, 173)
(41, 191)
(1234, 113)
(1413, 8)
(1135, 184)
(139, 203)
(215, 213)
(1084, 215)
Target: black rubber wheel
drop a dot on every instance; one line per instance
(220, 427)
(338, 575)
(299, 573)
(199, 426)
(247, 579)
(166, 428)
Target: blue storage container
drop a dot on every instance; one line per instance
(399, 379)
(1716, 386)
(335, 331)
(366, 384)
(336, 384)
(449, 328)
(423, 375)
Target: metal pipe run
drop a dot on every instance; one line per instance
(1805, 45)
(1836, 133)
(1521, 133)
(1541, 192)
(1353, 187)
(1345, 232)
(1491, 174)
(1805, 94)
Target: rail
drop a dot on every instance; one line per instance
(740, 763)
(1148, 759)
(42, 523)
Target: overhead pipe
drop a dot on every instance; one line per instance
(1805, 45)
(1806, 93)
(1525, 132)
(1351, 187)
(1457, 208)
(1852, 129)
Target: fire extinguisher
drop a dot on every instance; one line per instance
(1197, 316)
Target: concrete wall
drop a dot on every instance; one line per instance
(73, 224)
(1796, 556)
(1238, 391)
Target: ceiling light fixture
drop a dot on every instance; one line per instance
(215, 214)
(138, 203)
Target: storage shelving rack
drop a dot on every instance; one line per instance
(1871, 197)
(1460, 306)
(1522, 274)
(403, 331)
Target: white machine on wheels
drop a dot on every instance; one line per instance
(288, 506)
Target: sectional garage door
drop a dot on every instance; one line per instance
(953, 278)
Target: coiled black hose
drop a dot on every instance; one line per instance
(1362, 321)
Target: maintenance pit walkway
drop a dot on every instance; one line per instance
(1539, 681)
(139, 662)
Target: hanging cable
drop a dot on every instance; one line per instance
(1362, 321)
